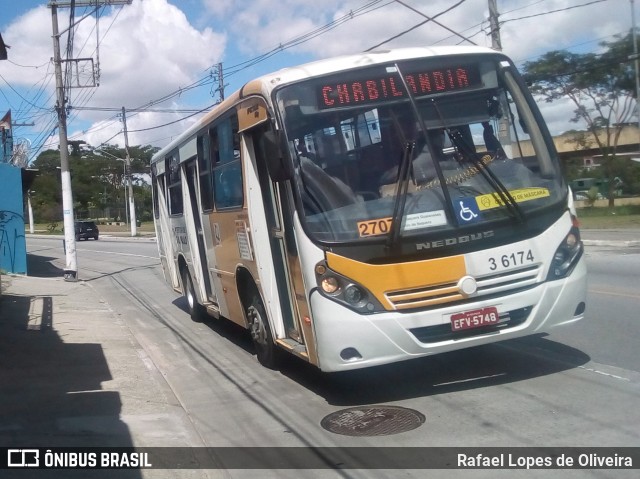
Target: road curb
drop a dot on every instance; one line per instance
(613, 243)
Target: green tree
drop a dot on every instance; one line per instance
(98, 182)
(46, 198)
(601, 88)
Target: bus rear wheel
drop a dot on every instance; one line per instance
(266, 350)
(196, 310)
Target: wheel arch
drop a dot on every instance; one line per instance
(246, 286)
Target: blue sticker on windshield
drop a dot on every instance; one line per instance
(466, 210)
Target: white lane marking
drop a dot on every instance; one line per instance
(121, 254)
(604, 374)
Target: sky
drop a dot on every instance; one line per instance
(159, 58)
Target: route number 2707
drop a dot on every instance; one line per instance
(374, 227)
(517, 258)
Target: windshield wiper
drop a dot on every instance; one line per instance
(405, 169)
(468, 152)
(401, 194)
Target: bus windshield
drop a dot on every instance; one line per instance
(417, 146)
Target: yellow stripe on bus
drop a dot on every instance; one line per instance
(487, 202)
(385, 278)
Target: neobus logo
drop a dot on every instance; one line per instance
(455, 240)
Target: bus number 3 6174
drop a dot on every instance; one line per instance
(516, 258)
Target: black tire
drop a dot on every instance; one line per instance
(196, 311)
(266, 350)
(95, 237)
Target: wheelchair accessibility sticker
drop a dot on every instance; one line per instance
(467, 210)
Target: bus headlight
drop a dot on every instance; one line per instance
(344, 291)
(330, 284)
(353, 294)
(566, 256)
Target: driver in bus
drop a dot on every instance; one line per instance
(422, 169)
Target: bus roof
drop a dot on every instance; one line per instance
(265, 84)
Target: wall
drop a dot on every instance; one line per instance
(13, 247)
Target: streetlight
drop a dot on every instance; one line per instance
(124, 176)
(29, 193)
(132, 206)
(635, 60)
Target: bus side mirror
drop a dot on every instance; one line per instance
(278, 165)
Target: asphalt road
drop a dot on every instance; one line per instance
(579, 386)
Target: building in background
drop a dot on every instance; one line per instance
(14, 182)
(6, 138)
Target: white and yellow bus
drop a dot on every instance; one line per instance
(373, 208)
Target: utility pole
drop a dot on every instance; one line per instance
(218, 75)
(132, 205)
(496, 44)
(494, 26)
(71, 261)
(220, 81)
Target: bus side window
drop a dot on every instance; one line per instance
(228, 190)
(204, 167)
(228, 186)
(175, 185)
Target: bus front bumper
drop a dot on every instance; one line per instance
(347, 340)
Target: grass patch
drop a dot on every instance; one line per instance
(619, 217)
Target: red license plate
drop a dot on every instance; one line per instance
(474, 319)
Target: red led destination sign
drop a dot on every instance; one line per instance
(389, 87)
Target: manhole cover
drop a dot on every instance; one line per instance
(372, 421)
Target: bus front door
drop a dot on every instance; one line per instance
(278, 209)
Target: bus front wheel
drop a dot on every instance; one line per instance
(266, 350)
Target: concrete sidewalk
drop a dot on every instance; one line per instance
(73, 374)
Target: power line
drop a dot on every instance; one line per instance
(28, 66)
(553, 11)
(173, 122)
(23, 98)
(84, 96)
(600, 39)
(428, 19)
(367, 8)
(138, 110)
(364, 9)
